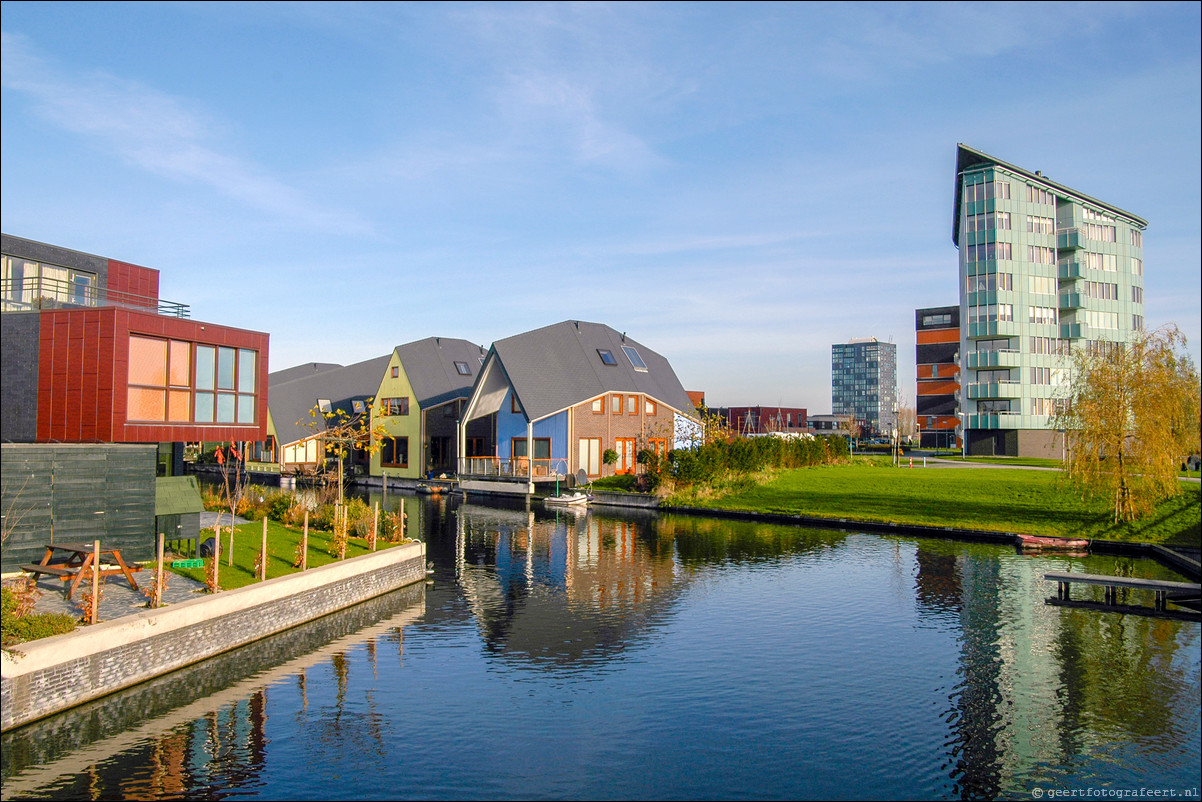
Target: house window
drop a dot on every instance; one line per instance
(607, 356)
(514, 406)
(542, 449)
(25, 282)
(462, 369)
(632, 405)
(660, 446)
(396, 372)
(599, 406)
(394, 452)
(650, 408)
(635, 359)
(616, 404)
(395, 406)
(166, 384)
(590, 455)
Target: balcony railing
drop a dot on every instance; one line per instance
(994, 420)
(1002, 389)
(514, 468)
(1071, 300)
(1002, 358)
(32, 294)
(1068, 238)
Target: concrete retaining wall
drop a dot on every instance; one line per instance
(642, 501)
(47, 676)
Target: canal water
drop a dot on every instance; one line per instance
(609, 655)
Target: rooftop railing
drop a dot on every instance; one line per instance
(33, 294)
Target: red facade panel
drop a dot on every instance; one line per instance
(84, 373)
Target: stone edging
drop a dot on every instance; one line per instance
(52, 674)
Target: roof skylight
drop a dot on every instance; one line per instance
(635, 359)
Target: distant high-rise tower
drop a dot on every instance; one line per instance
(864, 382)
(1043, 269)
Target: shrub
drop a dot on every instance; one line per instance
(17, 628)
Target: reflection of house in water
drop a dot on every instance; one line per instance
(560, 588)
(1030, 674)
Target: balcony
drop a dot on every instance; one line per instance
(980, 391)
(994, 420)
(1071, 270)
(994, 359)
(1068, 239)
(536, 470)
(37, 293)
(993, 328)
(1071, 300)
(1074, 331)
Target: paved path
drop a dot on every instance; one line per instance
(117, 598)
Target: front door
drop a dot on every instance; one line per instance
(625, 447)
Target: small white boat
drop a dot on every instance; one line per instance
(566, 500)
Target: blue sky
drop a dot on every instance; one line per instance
(737, 186)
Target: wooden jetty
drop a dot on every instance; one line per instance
(1184, 593)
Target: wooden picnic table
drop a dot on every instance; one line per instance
(76, 562)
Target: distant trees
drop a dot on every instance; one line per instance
(1130, 415)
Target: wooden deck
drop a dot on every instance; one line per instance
(1184, 592)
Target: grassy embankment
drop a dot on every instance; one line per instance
(282, 543)
(1000, 499)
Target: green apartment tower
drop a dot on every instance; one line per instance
(1043, 269)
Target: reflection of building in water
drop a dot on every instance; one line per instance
(1030, 676)
(560, 587)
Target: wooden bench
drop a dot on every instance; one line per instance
(78, 564)
(1161, 587)
(49, 570)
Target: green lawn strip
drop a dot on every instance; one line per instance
(282, 542)
(1028, 502)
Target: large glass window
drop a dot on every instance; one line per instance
(168, 383)
(25, 284)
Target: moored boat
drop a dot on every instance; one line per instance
(566, 500)
(1036, 543)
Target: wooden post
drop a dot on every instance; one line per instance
(217, 558)
(305, 543)
(375, 523)
(263, 558)
(94, 613)
(231, 554)
(156, 599)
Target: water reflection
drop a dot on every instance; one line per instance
(634, 655)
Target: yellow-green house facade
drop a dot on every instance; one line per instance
(417, 406)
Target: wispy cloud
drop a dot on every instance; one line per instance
(154, 132)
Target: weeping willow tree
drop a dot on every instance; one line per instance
(1130, 416)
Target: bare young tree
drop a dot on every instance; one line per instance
(1130, 415)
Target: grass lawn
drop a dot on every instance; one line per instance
(282, 542)
(1028, 502)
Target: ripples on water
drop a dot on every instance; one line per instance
(641, 657)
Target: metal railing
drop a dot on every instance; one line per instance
(35, 293)
(516, 467)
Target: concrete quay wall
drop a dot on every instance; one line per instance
(46, 676)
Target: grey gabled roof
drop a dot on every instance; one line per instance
(291, 400)
(556, 367)
(430, 366)
(300, 372)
